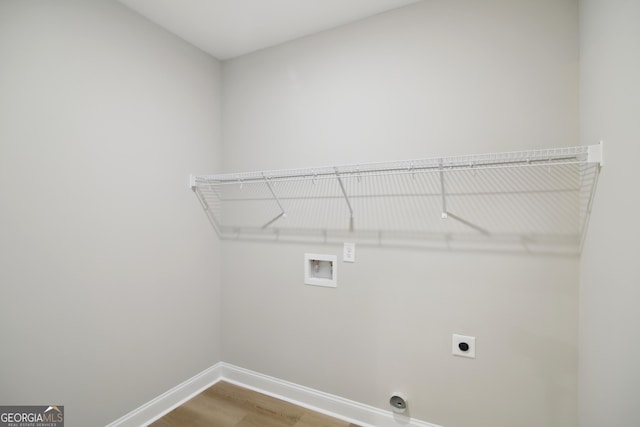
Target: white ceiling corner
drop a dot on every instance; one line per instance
(230, 28)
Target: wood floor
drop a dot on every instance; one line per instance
(227, 405)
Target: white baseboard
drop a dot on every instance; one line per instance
(166, 402)
(335, 406)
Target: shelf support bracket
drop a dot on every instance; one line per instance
(445, 215)
(469, 224)
(346, 198)
(283, 213)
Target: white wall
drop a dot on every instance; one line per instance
(610, 273)
(436, 78)
(109, 271)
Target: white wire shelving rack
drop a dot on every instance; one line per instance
(525, 199)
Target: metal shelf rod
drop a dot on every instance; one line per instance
(581, 154)
(232, 179)
(226, 180)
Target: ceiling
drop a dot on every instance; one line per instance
(230, 28)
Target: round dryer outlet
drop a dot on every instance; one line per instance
(398, 403)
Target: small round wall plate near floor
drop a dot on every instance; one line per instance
(398, 403)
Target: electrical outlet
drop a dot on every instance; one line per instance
(464, 346)
(349, 252)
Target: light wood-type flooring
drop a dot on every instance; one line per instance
(227, 405)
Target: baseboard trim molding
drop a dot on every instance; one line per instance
(171, 399)
(335, 406)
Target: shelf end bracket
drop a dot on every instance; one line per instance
(595, 154)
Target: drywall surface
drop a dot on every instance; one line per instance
(610, 273)
(432, 79)
(108, 268)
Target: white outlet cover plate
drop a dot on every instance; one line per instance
(455, 349)
(349, 252)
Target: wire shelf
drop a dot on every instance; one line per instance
(526, 198)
